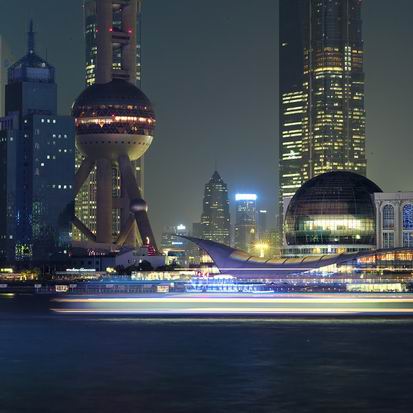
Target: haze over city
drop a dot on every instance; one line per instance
(206, 206)
(211, 70)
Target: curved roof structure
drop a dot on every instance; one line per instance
(242, 265)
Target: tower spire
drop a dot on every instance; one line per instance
(30, 38)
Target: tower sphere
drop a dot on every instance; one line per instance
(113, 119)
(333, 208)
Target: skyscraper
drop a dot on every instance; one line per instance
(291, 95)
(36, 164)
(215, 219)
(6, 60)
(322, 117)
(245, 230)
(120, 39)
(262, 227)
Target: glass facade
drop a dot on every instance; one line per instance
(331, 209)
(322, 116)
(215, 219)
(245, 231)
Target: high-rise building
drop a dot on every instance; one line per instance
(177, 250)
(215, 218)
(6, 60)
(36, 164)
(262, 228)
(291, 96)
(171, 237)
(122, 40)
(245, 230)
(322, 116)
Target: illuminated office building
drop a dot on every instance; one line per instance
(122, 40)
(215, 218)
(262, 227)
(291, 96)
(36, 164)
(171, 237)
(245, 230)
(176, 249)
(322, 116)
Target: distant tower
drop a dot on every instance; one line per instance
(36, 164)
(322, 116)
(115, 124)
(215, 219)
(120, 45)
(245, 221)
(262, 227)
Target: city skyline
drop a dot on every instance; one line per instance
(259, 175)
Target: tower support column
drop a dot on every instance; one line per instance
(104, 201)
(129, 13)
(104, 58)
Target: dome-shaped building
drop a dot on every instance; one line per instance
(331, 213)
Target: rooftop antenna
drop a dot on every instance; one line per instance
(30, 38)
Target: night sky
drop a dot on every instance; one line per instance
(211, 71)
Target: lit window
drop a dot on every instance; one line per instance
(408, 216)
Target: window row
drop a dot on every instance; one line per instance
(407, 216)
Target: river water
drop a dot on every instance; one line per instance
(64, 363)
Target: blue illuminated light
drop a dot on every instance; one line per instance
(245, 197)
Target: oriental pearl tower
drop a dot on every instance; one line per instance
(115, 124)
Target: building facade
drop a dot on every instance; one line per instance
(394, 220)
(322, 116)
(215, 218)
(245, 229)
(121, 39)
(36, 164)
(6, 59)
(291, 96)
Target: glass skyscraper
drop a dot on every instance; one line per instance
(322, 116)
(85, 204)
(245, 230)
(215, 219)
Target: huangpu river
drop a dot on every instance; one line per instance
(67, 363)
